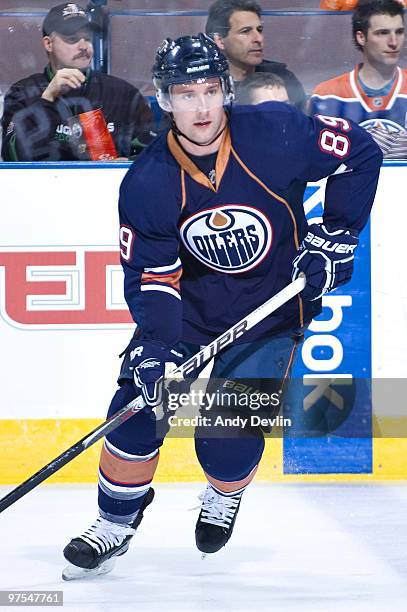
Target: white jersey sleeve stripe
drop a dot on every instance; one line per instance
(164, 269)
(163, 288)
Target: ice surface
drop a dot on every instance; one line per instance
(300, 547)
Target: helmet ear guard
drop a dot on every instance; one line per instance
(163, 99)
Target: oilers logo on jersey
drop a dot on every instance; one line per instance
(384, 124)
(230, 238)
(198, 257)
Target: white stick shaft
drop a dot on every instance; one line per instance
(275, 302)
(238, 329)
(231, 334)
(137, 404)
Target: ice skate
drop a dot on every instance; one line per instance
(216, 520)
(93, 553)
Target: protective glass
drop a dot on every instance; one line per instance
(200, 95)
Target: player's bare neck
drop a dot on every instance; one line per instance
(194, 149)
(376, 75)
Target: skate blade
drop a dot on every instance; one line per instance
(203, 556)
(73, 572)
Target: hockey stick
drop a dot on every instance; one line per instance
(125, 413)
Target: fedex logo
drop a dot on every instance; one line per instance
(60, 288)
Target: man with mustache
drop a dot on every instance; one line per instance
(41, 112)
(237, 29)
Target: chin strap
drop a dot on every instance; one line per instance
(178, 132)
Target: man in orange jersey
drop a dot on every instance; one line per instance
(374, 93)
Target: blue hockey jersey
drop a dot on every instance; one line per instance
(200, 255)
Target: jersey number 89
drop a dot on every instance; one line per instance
(332, 142)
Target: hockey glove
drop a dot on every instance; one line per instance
(326, 257)
(148, 360)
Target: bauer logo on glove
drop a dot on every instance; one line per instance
(326, 257)
(328, 245)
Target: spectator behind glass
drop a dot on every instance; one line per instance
(374, 93)
(262, 87)
(344, 5)
(41, 112)
(236, 27)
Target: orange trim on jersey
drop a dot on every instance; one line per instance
(288, 207)
(169, 279)
(125, 471)
(301, 309)
(183, 190)
(229, 487)
(290, 212)
(290, 362)
(190, 168)
(270, 192)
(222, 158)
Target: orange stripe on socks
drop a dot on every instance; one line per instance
(127, 472)
(230, 487)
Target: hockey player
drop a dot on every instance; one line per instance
(211, 224)
(374, 93)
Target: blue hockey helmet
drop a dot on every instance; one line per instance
(186, 59)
